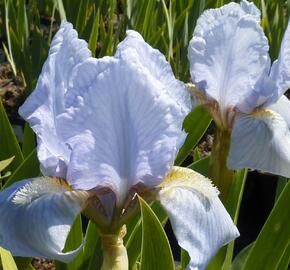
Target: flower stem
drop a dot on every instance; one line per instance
(114, 253)
(218, 170)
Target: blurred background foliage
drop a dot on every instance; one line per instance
(28, 26)
(26, 30)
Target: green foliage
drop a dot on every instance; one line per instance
(155, 244)
(7, 260)
(27, 169)
(5, 163)
(273, 241)
(168, 26)
(92, 249)
(134, 235)
(8, 143)
(28, 144)
(195, 124)
(239, 261)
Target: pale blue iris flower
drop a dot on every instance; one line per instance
(231, 68)
(111, 127)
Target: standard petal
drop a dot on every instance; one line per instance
(200, 222)
(280, 71)
(43, 106)
(261, 141)
(156, 65)
(133, 117)
(36, 217)
(228, 55)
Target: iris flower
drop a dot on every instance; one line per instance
(231, 69)
(108, 129)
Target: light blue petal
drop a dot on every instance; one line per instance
(36, 217)
(132, 108)
(43, 106)
(251, 9)
(134, 49)
(228, 55)
(261, 141)
(282, 107)
(109, 122)
(280, 71)
(200, 222)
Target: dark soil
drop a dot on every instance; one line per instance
(43, 264)
(11, 89)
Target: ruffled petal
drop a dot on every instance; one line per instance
(261, 141)
(200, 222)
(43, 106)
(132, 109)
(251, 9)
(228, 55)
(280, 71)
(36, 217)
(154, 62)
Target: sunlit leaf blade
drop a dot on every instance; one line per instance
(28, 168)
(274, 238)
(8, 142)
(133, 238)
(21, 58)
(195, 124)
(61, 10)
(7, 260)
(91, 242)
(22, 25)
(156, 252)
(5, 163)
(5, 176)
(146, 20)
(94, 34)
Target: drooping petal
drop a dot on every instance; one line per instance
(261, 141)
(133, 108)
(228, 55)
(43, 106)
(36, 217)
(280, 71)
(282, 107)
(199, 220)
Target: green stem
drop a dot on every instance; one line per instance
(114, 253)
(218, 170)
